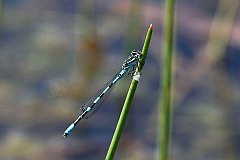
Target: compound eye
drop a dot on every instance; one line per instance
(134, 53)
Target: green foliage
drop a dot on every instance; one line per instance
(128, 101)
(165, 112)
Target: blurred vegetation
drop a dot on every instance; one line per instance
(56, 54)
(165, 106)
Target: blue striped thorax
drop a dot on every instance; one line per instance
(131, 62)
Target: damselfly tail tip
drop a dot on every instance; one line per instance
(64, 135)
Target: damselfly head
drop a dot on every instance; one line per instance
(136, 53)
(131, 62)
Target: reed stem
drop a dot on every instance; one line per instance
(165, 112)
(128, 100)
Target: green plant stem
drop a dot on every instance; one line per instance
(165, 129)
(1, 12)
(128, 101)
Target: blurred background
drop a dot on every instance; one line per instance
(55, 54)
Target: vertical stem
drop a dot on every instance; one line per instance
(128, 101)
(1, 12)
(221, 28)
(165, 129)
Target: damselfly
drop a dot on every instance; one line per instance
(87, 109)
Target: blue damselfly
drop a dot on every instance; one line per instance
(87, 109)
